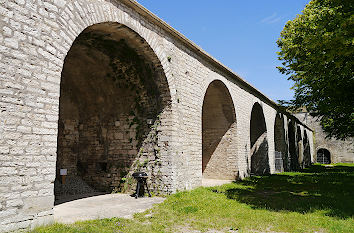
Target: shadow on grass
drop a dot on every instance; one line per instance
(330, 189)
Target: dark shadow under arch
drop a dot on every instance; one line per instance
(218, 133)
(113, 97)
(294, 163)
(299, 147)
(307, 151)
(259, 142)
(281, 147)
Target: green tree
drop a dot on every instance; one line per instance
(317, 52)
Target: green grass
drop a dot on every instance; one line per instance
(317, 199)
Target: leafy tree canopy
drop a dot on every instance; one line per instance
(317, 52)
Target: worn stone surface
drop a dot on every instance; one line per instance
(219, 127)
(111, 205)
(341, 151)
(108, 93)
(35, 38)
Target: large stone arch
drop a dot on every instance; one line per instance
(280, 145)
(114, 107)
(219, 146)
(74, 17)
(78, 15)
(258, 142)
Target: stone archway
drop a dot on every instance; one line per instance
(219, 155)
(281, 148)
(113, 97)
(259, 142)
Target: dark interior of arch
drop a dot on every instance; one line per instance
(294, 163)
(280, 144)
(218, 133)
(298, 136)
(113, 93)
(307, 151)
(323, 156)
(259, 142)
(299, 147)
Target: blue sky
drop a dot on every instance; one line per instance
(240, 34)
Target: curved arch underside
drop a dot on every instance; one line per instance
(113, 96)
(218, 134)
(259, 142)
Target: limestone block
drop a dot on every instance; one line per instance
(35, 205)
(7, 212)
(8, 171)
(14, 203)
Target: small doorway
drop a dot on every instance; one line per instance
(323, 156)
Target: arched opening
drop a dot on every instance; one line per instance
(292, 148)
(219, 158)
(307, 152)
(300, 148)
(259, 142)
(281, 148)
(323, 156)
(114, 97)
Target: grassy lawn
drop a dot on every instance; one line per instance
(318, 199)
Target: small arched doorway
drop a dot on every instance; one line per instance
(323, 156)
(259, 142)
(219, 154)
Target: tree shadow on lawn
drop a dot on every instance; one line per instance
(330, 189)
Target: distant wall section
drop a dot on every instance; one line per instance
(340, 151)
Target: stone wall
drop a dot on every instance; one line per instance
(110, 104)
(341, 151)
(36, 37)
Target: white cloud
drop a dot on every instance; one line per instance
(274, 18)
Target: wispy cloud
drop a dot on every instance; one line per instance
(274, 18)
